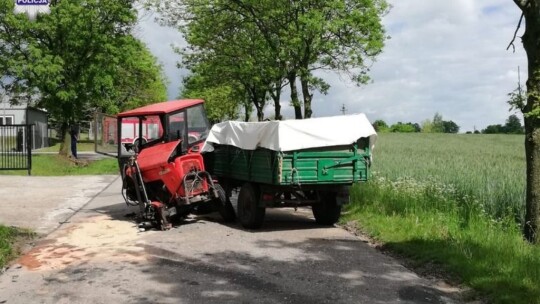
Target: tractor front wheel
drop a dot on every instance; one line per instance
(250, 214)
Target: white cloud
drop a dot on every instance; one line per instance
(444, 56)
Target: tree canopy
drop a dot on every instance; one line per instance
(380, 126)
(263, 45)
(221, 100)
(408, 127)
(78, 57)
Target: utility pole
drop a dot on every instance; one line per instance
(343, 109)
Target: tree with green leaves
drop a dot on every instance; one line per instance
(531, 112)
(79, 57)
(494, 129)
(450, 127)
(426, 126)
(286, 40)
(380, 126)
(226, 54)
(222, 101)
(513, 125)
(437, 123)
(408, 127)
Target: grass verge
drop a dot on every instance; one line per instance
(56, 165)
(81, 147)
(9, 238)
(430, 223)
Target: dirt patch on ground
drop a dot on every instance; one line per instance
(23, 242)
(98, 238)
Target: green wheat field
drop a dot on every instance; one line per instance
(489, 170)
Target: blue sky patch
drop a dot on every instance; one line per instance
(491, 9)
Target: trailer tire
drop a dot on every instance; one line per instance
(327, 212)
(224, 206)
(250, 214)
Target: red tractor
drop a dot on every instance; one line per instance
(162, 170)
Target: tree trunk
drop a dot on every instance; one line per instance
(258, 100)
(307, 97)
(65, 139)
(277, 108)
(260, 112)
(532, 152)
(294, 96)
(247, 109)
(276, 96)
(531, 40)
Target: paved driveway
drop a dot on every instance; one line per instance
(42, 203)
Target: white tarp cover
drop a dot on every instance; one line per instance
(292, 135)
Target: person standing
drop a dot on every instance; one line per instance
(74, 132)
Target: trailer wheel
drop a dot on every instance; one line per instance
(224, 206)
(327, 212)
(251, 215)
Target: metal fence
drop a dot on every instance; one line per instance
(16, 147)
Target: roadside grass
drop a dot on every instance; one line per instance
(84, 146)
(56, 165)
(454, 202)
(9, 237)
(429, 226)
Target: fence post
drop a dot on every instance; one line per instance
(29, 149)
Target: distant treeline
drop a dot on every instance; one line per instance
(436, 125)
(512, 126)
(439, 125)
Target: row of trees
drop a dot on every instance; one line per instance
(80, 57)
(512, 126)
(436, 125)
(243, 53)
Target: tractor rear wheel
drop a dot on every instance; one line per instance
(327, 211)
(250, 214)
(224, 206)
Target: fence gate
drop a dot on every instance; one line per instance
(15, 147)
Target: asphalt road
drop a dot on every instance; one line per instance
(98, 255)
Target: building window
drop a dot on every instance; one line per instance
(6, 120)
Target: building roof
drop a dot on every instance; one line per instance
(162, 107)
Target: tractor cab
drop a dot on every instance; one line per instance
(181, 121)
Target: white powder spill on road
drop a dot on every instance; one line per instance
(99, 238)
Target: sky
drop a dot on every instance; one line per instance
(443, 56)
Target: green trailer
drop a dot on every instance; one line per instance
(292, 163)
(317, 177)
